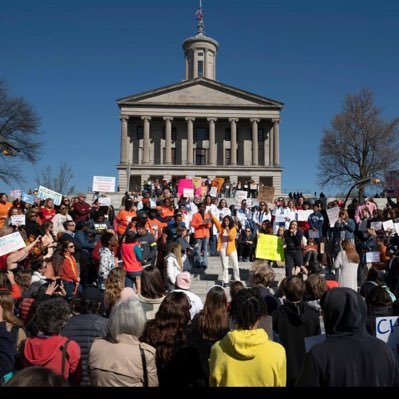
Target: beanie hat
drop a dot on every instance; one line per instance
(183, 281)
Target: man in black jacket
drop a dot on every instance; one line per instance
(349, 356)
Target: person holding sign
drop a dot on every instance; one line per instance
(226, 246)
(293, 248)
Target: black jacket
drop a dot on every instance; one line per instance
(7, 351)
(349, 356)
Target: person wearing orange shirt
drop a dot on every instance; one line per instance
(201, 223)
(124, 217)
(5, 206)
(69, 270)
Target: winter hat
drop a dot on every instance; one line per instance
(183, 281)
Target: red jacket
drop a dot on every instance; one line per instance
(47, 352)
(81, 211)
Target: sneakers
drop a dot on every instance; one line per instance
(240, 258)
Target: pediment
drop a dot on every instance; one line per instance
(200, 92)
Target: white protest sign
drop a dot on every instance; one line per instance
(188, 192)
(10, 243)
(386, 329)
(45, 193)
(240, 195)
(372, 257)
(388, 225)
(16, 193)
(17, 220)
(279, 218)
(105, 184)
(213, 192)
(313, 233)
(100, 226)
(303, 215)
(333, 214)
(376, 225)
(396, 227)
(104, 201)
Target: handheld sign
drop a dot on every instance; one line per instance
(10, 243)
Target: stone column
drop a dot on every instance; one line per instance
(212, 144)
(168, 139)
(124, 139)
(233, 140)
(276, 141)
(190, 140)
(255, 151)
(146, 139)
(195, 64)
(271, 148)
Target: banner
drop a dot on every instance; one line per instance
(184, 183)
(269, 247)
(392, 183)
(266, 194)
(104, 184)
(45, 193)
(10, 243)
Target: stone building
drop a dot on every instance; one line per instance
(199, 127)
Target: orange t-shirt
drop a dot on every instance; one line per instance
(4, 208)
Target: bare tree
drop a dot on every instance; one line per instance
(19, 131)
(60, 182)
(358, 144)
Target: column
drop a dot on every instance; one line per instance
(212, 144)
(276, 141)
(190, 140)
(195, 64)
(233, 140)
(168, 139)
(255, 151)
(124, 138)
(271, 156)
(146, 139)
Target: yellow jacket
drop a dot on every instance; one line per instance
(231, 239)
(246, 358)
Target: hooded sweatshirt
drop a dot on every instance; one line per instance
(46, 351)
(247, 358)
(349, 356)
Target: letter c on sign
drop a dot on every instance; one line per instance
(380, 326)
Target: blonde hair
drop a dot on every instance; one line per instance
(114, 285)
(175, 249)
(261, 274)
(350, 251)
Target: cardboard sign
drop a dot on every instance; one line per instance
(16, 193)
(387, 330)
(372, 257)
(333, 215)
(104, 184)
(10, 243)
(266, 194)
(269, 247)
(240, 195)
(104, 201)
(17, 220)
(388, 225)
(45, 193)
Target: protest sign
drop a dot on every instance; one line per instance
(240, 195)
(333, 215)
(388, 225)
(45, 193)
(376, 225)
(387, 330)
(396, 225)
(303, 215)
(269, 247)
(28, 198)
(266, 194)
(104, 201)
(17, 220)
(197, 181)
(10, 243)
(188, 193)
(184, 183)
(213, 192)
(372, 257)
(218, 183)
(104, 184)
(16, 193)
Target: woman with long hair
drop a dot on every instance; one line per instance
(210, 325)
(346, 264)
(47, 212)
(174, 265)
(226, 246)
(48, 239)
(115, 289)
(69, 272)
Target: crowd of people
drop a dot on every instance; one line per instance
(99, 297)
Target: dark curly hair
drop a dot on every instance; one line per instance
(52, 315)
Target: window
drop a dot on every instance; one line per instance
(200, 156)
(140, 132)
(200, 68)
(173, 151)
(201, 133)
(227, 134)
(261, 135)
(174, 133)
(227, 156)
(200, 54)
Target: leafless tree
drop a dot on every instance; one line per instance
(358, 144)
(59, 182)
(19, 135)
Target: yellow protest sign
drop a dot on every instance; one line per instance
(269, 247)
(197, 181)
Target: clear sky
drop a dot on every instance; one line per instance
(72, 59)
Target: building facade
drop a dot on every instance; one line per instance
(199, 127)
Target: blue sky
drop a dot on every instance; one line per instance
(72, 59)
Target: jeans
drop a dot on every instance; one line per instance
(201, 253)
